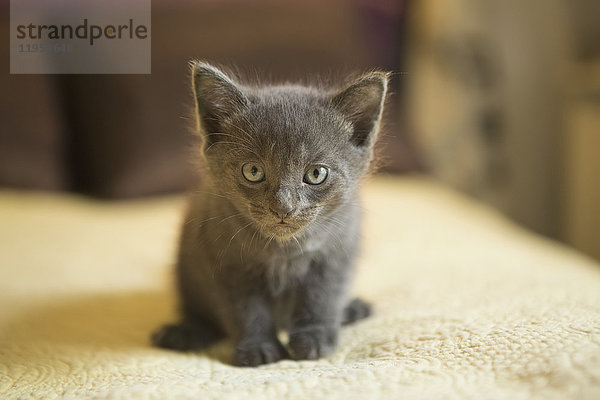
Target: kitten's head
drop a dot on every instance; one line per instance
(286, 156)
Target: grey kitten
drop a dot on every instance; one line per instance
(271, 235)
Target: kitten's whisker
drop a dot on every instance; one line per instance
(238, 231)
(246, 144)
(241, 253)
(218, 237)
(222, 254)
(237, 145)
(243, 131)
(211, 193)
(244, 140)
(268, 242)
(229, 217)
(299, 246)
(336, 222)
(332, 235)
(250, 124)
(252, 238)
(192, 220)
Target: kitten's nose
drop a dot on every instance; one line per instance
(283, 206)
(282, 211)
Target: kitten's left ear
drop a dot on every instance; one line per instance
(362, 104)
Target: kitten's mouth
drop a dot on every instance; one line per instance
(284, 226)
(280, 229)
(283, 230)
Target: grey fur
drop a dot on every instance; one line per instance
(243, 274)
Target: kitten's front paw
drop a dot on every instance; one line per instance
(313, 342)
(173, 336)
(356, 310)
(253, 353)
(184, 336)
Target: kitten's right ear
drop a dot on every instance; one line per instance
(216, 95)
(362, 104)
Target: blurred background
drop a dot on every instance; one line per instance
(500, 100)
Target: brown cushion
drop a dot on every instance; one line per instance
(128, 138)
(33, 132)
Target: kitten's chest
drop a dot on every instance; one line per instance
(283, 269)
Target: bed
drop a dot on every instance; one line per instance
(467, 306)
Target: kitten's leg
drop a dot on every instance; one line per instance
(255, 335)
(190, 334)
(356, 310)
(317, 314)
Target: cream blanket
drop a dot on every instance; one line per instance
(467, 305)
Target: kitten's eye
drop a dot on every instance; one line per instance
(315, 175)
(253, 172)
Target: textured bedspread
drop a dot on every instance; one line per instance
(466, 306)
